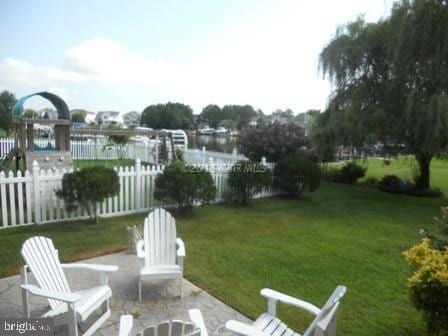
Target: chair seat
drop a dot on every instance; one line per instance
(161, 271)
(271, 325)
(90, 301)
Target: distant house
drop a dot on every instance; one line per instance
(108, 118)
(253, 124)
(90, 117)
(279, 120)
(131, 119)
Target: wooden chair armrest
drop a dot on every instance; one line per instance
(61, 296)
(180, 248)
(243, 328)
(289, 300)
(92, 267)
(140, 247)
(328, 318)
(126, 322)
(198, 320)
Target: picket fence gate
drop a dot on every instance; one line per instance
(31, 198)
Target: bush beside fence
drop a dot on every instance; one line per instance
(31, 198)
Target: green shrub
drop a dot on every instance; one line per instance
(428, 285)
(184, 185)
(180, 154)
(246, 179)
(330, 174)
(348, 173)
(296, 174)
(87, 187)
(371, 181)
(394, 184)
(432, 193)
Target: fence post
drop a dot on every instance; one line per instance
(146, 151)
(263, 161)
(138, 184)
(234, 155)
(210, 161)
(203, 154)
(36, 193)
(157, 149)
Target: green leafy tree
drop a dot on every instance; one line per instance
(120, 141)
(274, 141)
(211, 115)
(288, 114)
(390, 81)
(7, 101)
(324, 137)
(87, 188)
(227, 123)
(169, 115)
(79, 116)
(240, 114)
(246, 179)
(30, 113)
(296, 174)
(184, 185)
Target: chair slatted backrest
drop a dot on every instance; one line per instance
(171, 328)
(160, 238)
(333, 301)
(42, 258)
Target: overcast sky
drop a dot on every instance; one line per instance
(126, 55)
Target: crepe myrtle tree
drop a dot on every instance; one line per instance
(274, 141)
(87, 187)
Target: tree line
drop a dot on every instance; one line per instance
(170, 115)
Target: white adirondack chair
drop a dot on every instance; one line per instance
(162, 251)
(126, 322)
(268, 324)
(66, 307)
(178, 328)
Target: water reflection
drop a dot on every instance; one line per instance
(212, 143)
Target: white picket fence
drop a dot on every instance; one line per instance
(31, 198)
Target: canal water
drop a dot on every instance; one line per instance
(224, 144)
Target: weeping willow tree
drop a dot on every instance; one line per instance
(390, 82)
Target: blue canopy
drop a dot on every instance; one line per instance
(58, 103)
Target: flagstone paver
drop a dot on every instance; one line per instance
(160, 299)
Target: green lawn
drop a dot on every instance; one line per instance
(107, 163)
(406, 167)
(340, 235)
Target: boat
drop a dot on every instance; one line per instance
(221, 131)
(206, 131)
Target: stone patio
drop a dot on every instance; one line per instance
(160, 298)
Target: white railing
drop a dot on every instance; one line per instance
(91, 150)
(147, 151)
(31, 198)
(197, 156)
